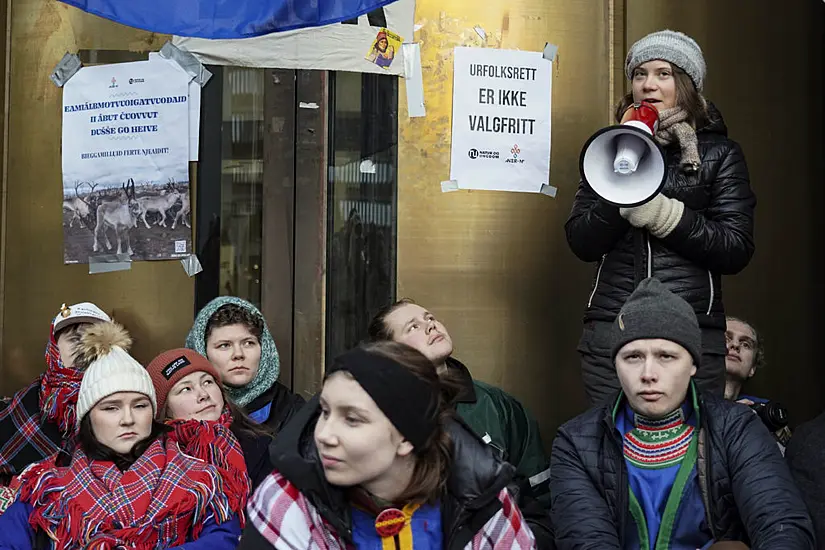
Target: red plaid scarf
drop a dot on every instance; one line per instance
(40, 419)
(215, 444)
(59, 388)
(161, 500)
(285, 518)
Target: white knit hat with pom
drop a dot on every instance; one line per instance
(111, 368)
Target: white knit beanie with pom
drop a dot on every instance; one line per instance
(111, 368)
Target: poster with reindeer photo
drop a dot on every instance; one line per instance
(125, 162)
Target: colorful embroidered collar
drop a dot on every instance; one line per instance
(662, 443)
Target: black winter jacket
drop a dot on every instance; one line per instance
(471, 500)
(284, 405)
(255, 450)
(748, 491)
(713, 238)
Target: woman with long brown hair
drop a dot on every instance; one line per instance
(207, 424)
(378, 460)
(698, 228)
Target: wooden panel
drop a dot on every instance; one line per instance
(496, 266)
(153, 299)
(279, 213)
(310, 232)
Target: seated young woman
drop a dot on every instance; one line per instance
(207, 424)
(233, 335)
(378, 460)
(125, 485)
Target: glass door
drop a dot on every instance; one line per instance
(296, 205)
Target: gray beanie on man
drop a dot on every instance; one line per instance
(674, 47)
(654, 312)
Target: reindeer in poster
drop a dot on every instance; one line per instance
(80, 208)
(183, 213)
(119, 216)
(160, 203)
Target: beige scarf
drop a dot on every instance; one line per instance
(673, 125)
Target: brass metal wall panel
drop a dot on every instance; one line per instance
(154, 299)
(496, 266)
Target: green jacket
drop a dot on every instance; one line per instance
(505, 424)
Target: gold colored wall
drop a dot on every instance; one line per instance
(154, 299)
(496, 266)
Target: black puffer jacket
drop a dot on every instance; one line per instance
(748, 491)
(713, 238)
(471, 500)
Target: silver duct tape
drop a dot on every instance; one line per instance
(106, 263)
(449, 186)
(187, 61)
(548, 190)
(65, 69)
(192, 265)
(550, 51)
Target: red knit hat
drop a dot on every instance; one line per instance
(170, 366)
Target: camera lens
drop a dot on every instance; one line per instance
(773, 415)
(777, 414)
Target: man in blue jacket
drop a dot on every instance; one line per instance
(663, 466)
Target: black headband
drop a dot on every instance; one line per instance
(407, 400)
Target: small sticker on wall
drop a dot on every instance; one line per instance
(384, 47)
(180, 247)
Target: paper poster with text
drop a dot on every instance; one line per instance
(125, 162)
(501, 120)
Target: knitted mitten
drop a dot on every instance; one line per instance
(659, 215)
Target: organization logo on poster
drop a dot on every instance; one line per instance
(515, 151)
(136, 81)
(114, 83)
(476, 154)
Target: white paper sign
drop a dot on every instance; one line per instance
(126, 162)
(335, 47)
(194, 107)
(501, 120)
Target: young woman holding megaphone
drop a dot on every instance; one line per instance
(683, 213)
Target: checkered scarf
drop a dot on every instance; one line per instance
(285, 518)
(161, 500)
(25, 437)
(215, 444)
(59, 389)
(39, 420)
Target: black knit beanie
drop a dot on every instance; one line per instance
(654, 312)
(409, 402)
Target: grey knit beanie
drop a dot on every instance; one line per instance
(674, 47)
(654, 312)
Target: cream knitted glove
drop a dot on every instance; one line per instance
(660, 215)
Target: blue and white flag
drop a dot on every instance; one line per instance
(226, 18)
(339, 47)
